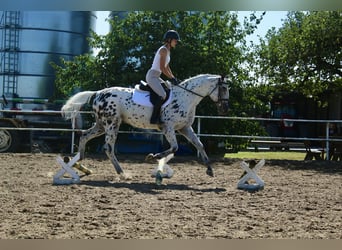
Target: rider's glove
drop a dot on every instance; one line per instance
(175, 81)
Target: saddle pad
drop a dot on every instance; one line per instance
(143, 97)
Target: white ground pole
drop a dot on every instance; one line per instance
(251, 174)
(67, 168)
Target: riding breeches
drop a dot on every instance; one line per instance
(154, 81)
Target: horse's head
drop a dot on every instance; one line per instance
(213, 86)
(220, 94)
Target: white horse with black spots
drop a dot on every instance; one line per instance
(115, 105)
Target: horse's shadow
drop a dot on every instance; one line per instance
(149, 188)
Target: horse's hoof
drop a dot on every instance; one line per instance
(150, 158)
(125, 176)
(210, 172)
(159, 178)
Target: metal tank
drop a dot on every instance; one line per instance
(31, 40)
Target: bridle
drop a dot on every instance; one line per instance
(218, 85)
(221, 87)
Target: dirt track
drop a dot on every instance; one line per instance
(301, 200)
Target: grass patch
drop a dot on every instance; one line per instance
(267, 155)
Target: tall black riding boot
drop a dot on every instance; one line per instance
(155, 118)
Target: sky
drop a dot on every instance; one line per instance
(271, 19)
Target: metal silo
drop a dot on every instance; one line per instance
(31, 40)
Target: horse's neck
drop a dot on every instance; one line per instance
(199, 86)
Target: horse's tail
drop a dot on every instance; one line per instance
(75, 103)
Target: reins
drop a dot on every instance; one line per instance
(193, 92)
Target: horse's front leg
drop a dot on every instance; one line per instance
(171, 138)
(89, 134)
(190, 135)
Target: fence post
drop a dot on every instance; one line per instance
(327, 141)
(73, 133)
(198, 131)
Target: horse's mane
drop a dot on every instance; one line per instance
(194, 78)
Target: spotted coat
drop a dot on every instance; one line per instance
(113, 106)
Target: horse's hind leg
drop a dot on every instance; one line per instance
(190, 135)
(111, 135)
(89, 134)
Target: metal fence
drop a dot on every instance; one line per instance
(327, 137)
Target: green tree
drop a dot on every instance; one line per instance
(304, 55)
(211, 42)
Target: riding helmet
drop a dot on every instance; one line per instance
(171, 34)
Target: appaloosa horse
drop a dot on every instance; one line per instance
(115, 105)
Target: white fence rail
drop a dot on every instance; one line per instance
(327, 123)
(327, 138)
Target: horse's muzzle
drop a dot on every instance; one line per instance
(223, 107)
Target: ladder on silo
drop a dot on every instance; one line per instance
(10, 51)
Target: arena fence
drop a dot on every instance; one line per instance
(327, 137)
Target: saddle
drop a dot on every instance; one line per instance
(144, 95)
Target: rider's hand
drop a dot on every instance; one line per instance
(175, 81)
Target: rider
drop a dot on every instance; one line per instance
(161, 65)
